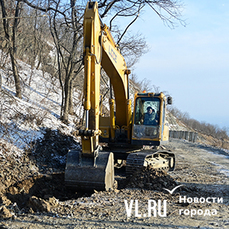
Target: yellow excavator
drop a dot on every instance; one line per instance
(134, 137)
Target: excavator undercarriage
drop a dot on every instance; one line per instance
(156, 159)
(97, 173)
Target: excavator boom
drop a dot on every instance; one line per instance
(91, 168)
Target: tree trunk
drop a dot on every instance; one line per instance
(70, 110)
(15, 74)
(0, 81)
(66, 100)
(12, 41)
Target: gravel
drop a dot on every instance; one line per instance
(33, 194)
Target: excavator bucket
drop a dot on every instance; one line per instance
(89, 173)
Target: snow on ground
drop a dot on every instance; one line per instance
(221, 155)
(23, 121)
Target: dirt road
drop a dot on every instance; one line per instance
(202, 200)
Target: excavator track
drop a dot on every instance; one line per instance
(159, 160)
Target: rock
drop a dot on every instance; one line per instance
(151, 179)
(13, 190)
(53, 201)
(38, 204)
(2, 187)
(4, 201)
(31, 211)
(116, 191)
(5, 213)
(16, 208)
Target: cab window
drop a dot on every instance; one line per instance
(147, 111)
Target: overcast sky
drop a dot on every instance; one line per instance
(192, 62)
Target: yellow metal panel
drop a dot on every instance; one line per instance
(87, 145)
(166, 133)
(104, 126)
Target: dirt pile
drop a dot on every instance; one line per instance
(29, 179)
(5, 213)
(50, 152)
(149, 178)
(40, 186)
(44, 192)
(36, 194)
(14, 168)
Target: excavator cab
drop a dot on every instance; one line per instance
(149, 123)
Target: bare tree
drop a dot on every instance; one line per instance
(34, 42)
(67, 34)
(65, 20)
(169, 11)
(10, 11)
(133, 47)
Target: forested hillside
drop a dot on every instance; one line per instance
(41, 65)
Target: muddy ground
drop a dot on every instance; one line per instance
(33, 194)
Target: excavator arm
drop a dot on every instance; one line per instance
(100, 50)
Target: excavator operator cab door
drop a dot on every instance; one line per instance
(148, 119)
